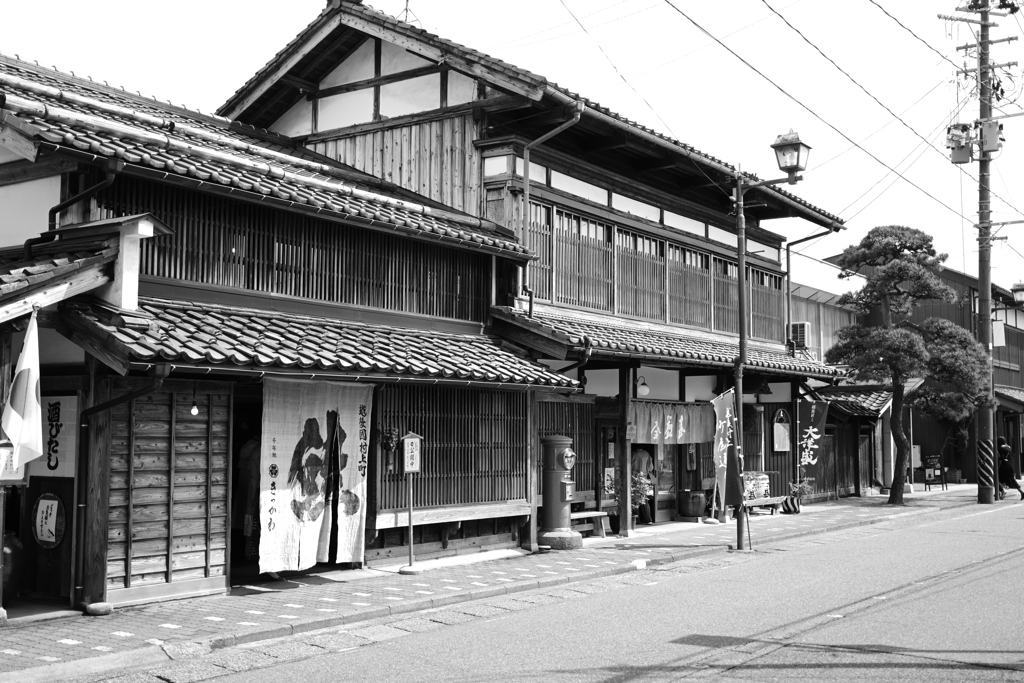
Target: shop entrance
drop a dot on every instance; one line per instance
(39, 518)
(245, 486)
(661, 465)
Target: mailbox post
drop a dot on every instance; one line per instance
(559, 490)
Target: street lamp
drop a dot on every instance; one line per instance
(1018, 292)
(791, 154)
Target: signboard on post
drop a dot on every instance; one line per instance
(412, 447)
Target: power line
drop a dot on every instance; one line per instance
(937, 130)
(888, 173)
(570, 33)
(908, 30)
(877, 101)
(534, 34)
(812, 112)
(691, 52)
(880, 129)
(630, 85)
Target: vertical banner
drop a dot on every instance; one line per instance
(810, 417)
(735, 487)
(313, 465)
(60, 438)
(723, 405)
(22, 419)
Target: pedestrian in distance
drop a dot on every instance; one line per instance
(1007, 477)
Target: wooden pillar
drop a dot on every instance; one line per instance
(5, 388)
(533, 464)
(623, 447)
(95, 503)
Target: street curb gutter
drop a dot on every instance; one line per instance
(154, 655)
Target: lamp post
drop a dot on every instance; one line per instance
(791, 155)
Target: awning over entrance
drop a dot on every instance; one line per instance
(1010, 398)
(53, 276)
(230, 338)
(562, 335)
(858, 401)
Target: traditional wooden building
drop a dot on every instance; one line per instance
(635, 278)
(179, 261)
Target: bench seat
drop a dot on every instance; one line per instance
(773, 502)
(597, 525)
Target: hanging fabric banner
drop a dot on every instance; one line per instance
(780, 430)
(22, 419)
(810, 417)
(672, 423)
(313, 463)
(723, 406)
(702, 423)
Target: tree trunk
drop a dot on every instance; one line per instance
(899, 476)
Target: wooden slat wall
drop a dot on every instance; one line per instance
(229, 243)
(689, 282)
(436, 159)
(474, 445)
(640, 276)
(576, 421)
(538, 239)
(1012, 353)
(725, 314)
(767, 306)
(584, 262)
(169, 485)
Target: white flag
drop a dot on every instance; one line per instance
(22, 420)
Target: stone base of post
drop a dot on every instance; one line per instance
(561, 539)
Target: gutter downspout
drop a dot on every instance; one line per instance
(588, 349)
(579, 108)
(789, 288)
(113, 168)
(83, 473)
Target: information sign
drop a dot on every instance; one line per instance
(412, 447)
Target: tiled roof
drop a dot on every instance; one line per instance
(613, 336)
(72, 117)
(527, 78)
(52, 274)
(1011, 393)
(210, 335)
(866, 401)
(17, 274)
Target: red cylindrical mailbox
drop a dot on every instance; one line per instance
(559, 489)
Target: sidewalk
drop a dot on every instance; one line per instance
(80, 645)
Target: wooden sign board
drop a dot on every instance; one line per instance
(412, 448)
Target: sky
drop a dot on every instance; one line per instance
(648, 61)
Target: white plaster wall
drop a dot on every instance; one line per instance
(296, 121)
(23, 209)
(700, 388)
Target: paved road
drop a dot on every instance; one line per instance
(930, 598)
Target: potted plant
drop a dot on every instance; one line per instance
(796, 492)
(389, 438)
(640, 490)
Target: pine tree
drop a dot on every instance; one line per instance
(898, 264)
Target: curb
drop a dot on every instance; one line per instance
(156, 654)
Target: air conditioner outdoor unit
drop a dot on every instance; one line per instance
(799, 333)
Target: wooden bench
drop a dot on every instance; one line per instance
(597, 525)
(773, 502)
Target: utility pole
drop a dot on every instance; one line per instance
(986, 418)
(962, 140)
